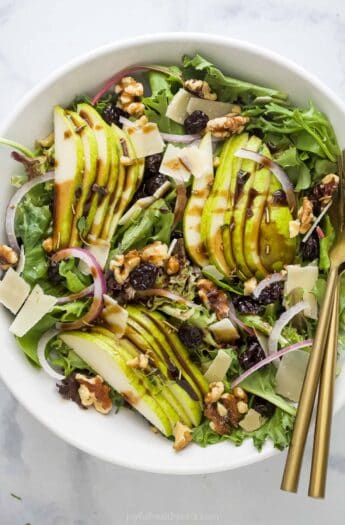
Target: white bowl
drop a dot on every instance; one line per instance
(125, 439)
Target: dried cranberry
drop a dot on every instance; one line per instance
(152, 163)
(279, 197)
(247, 305)
(311, 248)
(69, 389)
(271, 293)
(196, 122)
(112, 114)
(191, 336)
(153, 183)
(53, 273)
(258, 133)
(265, 408)
(143, 276)
(252, 355)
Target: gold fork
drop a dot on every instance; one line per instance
(307, 399)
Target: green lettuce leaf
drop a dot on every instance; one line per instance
(228, 89)
(32, 226)
(297, 170)
(262, 384)
(74, 279)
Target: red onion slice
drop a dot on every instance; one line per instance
(12, 207)
(87, 292)
(41, 354)
(269, 359)
(274, 278)
(180, 203)
(320, 232)
(316, 222)
(151, 292)
(124, 73)
(277, 170)
(283, 320)
(98, 283)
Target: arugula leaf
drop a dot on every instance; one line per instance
(261, 383)
(156, 105)
(153, 224)
(32, 223)
(297, 170)
(326, 243)
(228, 89)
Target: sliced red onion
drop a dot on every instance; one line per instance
(274, 278)
(319, 232)
(87, 292)
(180, 203)
(182, 139)
(233, 317)
(316, 222)
(283, 320)
(277, 170)
(124, 73)
(41, 354)
(269, 359)
(98, 283)
(160, 292)
(12, 207)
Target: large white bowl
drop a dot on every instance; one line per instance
(125, 439)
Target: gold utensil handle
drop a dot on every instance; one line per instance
(322, 434)
(305, 407)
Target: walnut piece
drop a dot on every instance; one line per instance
(93, 391)
(223, 414)
(213, 298)
(305, 215)
(155, 253)
(8, 257)
(182, 435)
(48, 245)
(200, 88)
(240, 394)
(230, 124)
(129, 92)
(141, 362)
(172, 265)
(215, 391)
(122, 265)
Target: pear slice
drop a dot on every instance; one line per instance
(192, 216)
(141, 338)
(106, 359)
(255, 213)
(220, 199)
(277, 248)
(103, 138)
(241, 205)
(128, 181)
(69, 165)
(90, 152)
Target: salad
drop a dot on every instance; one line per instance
(167, 251)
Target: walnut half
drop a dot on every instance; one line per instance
(130, 91)
(182, 435)
(230, 124)
(8, 257)
(93, 391)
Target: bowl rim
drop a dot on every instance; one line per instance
(40, 87)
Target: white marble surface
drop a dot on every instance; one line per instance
(57, 484)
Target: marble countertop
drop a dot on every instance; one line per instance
(44, 481)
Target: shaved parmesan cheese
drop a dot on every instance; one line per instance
(115, 316)
(13, 290)
(219, 367)
(252, 421)
(146, 140)
(224, 331)
(181, 163)
(36, 306)
(290, 375)
(99, 248)
(177, 109)
(212, 108)
(303, 277)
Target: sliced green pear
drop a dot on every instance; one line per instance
(90, 152)
(104, 144)
(127, 184)
(106, 360)
(220, 199)
(242, 206)
(143, 339)
(192, 217)
(255, 213)
(103, 205)
(69, 166)
(277, 248)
